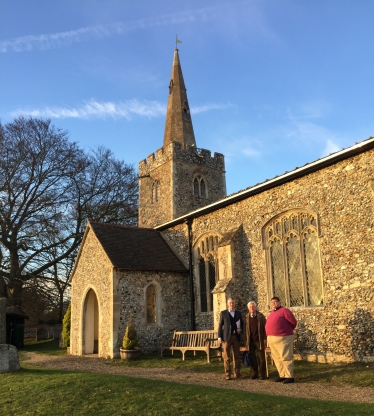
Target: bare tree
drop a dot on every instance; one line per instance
(49, 189)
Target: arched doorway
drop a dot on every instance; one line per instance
(91, 324)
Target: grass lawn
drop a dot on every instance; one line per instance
(33, 391)
(40, 391)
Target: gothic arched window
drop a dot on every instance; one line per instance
(200, 187)
(206, 258)
(151, 304)
(291, 241)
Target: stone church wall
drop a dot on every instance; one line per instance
(94, 271)
(342, 195)
(173, 306)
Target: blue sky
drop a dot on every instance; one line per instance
(271, 84)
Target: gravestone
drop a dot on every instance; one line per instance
(8, 358)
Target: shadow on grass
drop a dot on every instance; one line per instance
(45, 346)
(355, 374)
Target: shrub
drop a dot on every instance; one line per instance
(130, 340)
(65, 334)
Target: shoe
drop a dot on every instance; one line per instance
(288, 380)
(262, 378)
(280, 379)
(239, 376)
(228, 377)
(254, 376)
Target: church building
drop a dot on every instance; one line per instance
(306, 236)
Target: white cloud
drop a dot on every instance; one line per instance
(56, 40)
(208, 107)
(95, 109)
(219, 12)
(330, 147)
(235, 149)
(309, 110)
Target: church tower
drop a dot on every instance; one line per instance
(179, 177)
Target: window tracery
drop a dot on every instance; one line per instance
(206, 271)
(291, 241)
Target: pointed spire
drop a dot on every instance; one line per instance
(178, 126)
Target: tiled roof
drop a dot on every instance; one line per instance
(133, 248)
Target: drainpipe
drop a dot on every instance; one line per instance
(188, 221)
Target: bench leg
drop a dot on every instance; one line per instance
(183, 355)
(266, 362)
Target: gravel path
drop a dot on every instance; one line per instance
(308, 390)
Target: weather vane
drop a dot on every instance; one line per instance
(177, 41)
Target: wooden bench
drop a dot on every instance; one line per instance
(194, 341)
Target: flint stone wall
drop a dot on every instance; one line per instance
(173, 169)
(342, 195)
(9, 360)
(173, 306)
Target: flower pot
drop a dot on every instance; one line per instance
(129, 354)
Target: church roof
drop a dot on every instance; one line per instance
(178, 126)
(133, 248)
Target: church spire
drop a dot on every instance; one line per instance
(178, 126)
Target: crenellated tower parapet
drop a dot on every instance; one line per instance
(175, 151)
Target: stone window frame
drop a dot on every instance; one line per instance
(155, 190)
(158, 305)
(197, 189)
(274, 229)
(206, 249)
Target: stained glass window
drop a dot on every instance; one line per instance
(293, 258)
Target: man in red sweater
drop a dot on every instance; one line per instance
(279, 330)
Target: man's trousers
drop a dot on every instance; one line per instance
(282, 354)
(226, 348)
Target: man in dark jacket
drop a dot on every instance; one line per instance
(229, 329)
(255, 340)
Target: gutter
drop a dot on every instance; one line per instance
(277, 181)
